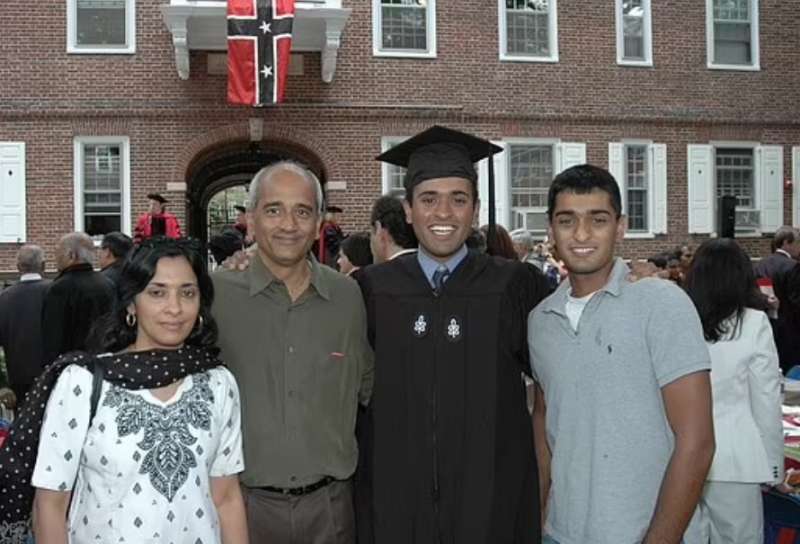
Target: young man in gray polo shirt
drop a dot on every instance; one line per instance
(623, 404)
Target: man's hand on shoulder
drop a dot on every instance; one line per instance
(642, 269)
(240, 260)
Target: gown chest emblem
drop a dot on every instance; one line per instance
(420, 326)
(453, 329)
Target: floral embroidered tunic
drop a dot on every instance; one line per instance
(143, 468)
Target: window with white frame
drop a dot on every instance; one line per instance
(404, 27)
(528, 30)
(531, 169)
(523, 173)
(634, 32)
(751, 172)
(732, 28)
(637, 185)
(640, 168)
(102, 185)
(735, 176)
(392, 176)
(101, 26)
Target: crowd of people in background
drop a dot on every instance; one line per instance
(276, 400)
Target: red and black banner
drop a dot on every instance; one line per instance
(259, 42)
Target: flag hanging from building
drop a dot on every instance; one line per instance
(259, 42)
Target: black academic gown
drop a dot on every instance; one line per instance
(449, 449)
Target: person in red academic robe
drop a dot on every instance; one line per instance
(157, 221)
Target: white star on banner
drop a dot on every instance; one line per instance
(265, 27)
(267, 71)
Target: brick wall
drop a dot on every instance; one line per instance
(47, 97)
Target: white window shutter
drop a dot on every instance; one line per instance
(12, 192)
(501, 187)
(700, 176)
(571, 154)
(659, 185)
(616, 167)
(769, 168)
(796, 183)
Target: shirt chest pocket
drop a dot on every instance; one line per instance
(334, 367)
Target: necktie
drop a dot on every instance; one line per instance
(439, 276)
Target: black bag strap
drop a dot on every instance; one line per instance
(98, 371)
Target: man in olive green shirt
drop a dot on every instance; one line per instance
(293, 333)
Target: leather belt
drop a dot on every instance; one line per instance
(298, 491)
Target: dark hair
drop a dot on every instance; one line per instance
(113, 333)
(225, 244)
(499, 244)
(356, 248)
(389, 211)
(721, 284)
(659, 260)
(784, 235)
(584, 179)
(117, 243)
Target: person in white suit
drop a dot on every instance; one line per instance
(745, 384)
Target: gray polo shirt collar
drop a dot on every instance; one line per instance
(260, 277)
(557, 302)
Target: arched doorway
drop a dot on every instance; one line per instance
(230, 165)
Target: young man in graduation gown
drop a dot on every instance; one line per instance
(450, 455)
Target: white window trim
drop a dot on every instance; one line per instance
(796, 185)
(72, 32)
(648, 37)
(430, 21)
(387, 142)
(757, 181)
(77, 182)
(754, 42)
(651, 192)
(552, 25)
(21, 146)
(554, 143)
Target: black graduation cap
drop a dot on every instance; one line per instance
(157, 197)
(441, 152)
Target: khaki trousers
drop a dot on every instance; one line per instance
(324, 516)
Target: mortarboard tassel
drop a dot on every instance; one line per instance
(490, 234)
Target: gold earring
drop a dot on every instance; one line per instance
(130, 319)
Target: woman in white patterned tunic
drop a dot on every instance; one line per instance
(159, 461)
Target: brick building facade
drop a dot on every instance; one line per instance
(682, 100)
